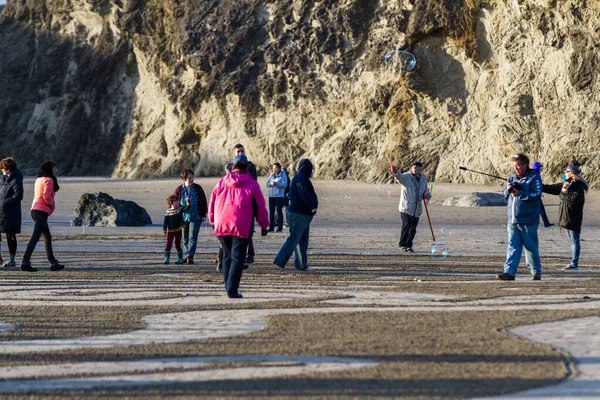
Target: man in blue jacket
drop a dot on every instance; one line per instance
(523, 191)
(303, 206)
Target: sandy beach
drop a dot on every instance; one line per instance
(366, 322)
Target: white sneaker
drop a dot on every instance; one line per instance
(570, 267)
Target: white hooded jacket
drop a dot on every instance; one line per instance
(412, 192)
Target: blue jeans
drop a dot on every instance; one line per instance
(296, 243)
(190, 241)
(234, 253)
(575, 246)
(520, 236)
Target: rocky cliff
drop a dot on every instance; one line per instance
(138, 88)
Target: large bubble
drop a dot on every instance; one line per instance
(400, 60)
(439, 251)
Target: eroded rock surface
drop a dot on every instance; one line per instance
(100, 209)
(143, 88)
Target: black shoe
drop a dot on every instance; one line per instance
(27, 267)
(56, 267)
(249, 260)
(536, 277)
(279, 230)
(271, 230)
(506, 277)
(245, 266)
(236, 296)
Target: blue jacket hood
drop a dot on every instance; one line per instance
(305, 166)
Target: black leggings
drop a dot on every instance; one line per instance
(11, 240)
(40, 229)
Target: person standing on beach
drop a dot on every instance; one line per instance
(276, 183)
(172, 227)
(46, 186)
(192, 195)
(303, 207)
(537, 166)
(570, 214)
(233, 203)
(413, 190)
(524, 192)
(238, 150)
(11, 194)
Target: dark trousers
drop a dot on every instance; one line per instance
(40, 228)
(11, 241)
(173, 237)
(409, 229)
(250, 250)
(544, 216)
(234, 251)
(276, 203)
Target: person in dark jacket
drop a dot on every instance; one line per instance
(172, 226)
(191, 194)
(570, 213)
(523, 193)
(11, 194)
(303, 207)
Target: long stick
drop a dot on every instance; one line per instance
(429, 219)
(482, 173)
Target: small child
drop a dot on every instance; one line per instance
(172, 228)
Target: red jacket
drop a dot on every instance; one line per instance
(233, 203)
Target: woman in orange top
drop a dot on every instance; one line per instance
(46, 185)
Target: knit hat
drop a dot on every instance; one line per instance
(240, 158)
(574, 169)
(536, 165)
(417, 163)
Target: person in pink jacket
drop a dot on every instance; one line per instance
(46, 185)
(233, 202)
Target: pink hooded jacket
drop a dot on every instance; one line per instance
(43, 198)
(230, 210)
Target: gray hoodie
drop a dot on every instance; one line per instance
(411, 193)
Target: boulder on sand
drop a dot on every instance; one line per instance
(100, 209)
(476, 199)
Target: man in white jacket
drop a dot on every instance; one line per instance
(413, 190)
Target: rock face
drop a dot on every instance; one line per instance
(142, 88)
(100, 209)
(476, 199)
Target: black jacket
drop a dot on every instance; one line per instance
(11, 194)
(570, 213)
(303, 198)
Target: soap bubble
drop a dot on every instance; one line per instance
(446, 231)
(347, 197)
(323, 198)
(399, 60)
(439, 251)
(384, 191)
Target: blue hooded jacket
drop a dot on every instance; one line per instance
(525, 208)
(303, 198)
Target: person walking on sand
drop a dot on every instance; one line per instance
(537, 166)
(570, 213)
(172, 227)
(413, 190)
(238, 150)
(524, 192)
(11, 194)
(233, 203)
(192, 195)
(303, 207)
(277, 182)
(46, 186)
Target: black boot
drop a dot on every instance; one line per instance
(26, 266)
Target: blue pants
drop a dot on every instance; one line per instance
(296, 243)
(190, 237)
(575, 246)
(520, 236)
(234, 253)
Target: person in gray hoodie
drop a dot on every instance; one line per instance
(413, 190)
(11, 194)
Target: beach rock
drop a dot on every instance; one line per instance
(142, 89)
(476, 199)
(100, 209)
